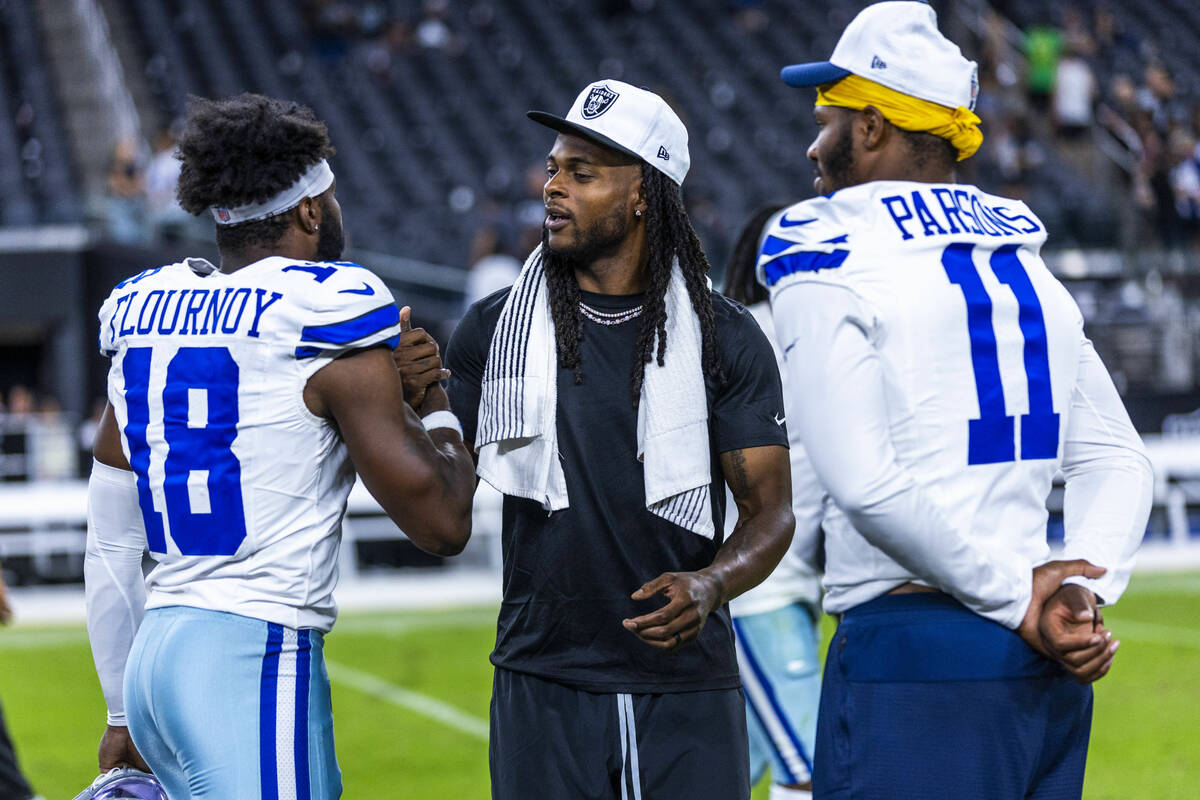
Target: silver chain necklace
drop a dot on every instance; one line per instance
(609, 317)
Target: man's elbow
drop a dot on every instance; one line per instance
(444, 537)
(854, 500)
(785, 523)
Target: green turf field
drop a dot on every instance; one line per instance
(410, 696)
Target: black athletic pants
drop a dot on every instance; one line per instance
(552, 741)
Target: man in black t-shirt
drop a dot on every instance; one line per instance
(609, 395)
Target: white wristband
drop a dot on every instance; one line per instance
(442, 419)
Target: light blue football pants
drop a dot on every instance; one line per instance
(781, 674)
(223, 706)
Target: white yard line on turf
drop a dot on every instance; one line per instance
(419, 703)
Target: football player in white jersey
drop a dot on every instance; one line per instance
(242, 400)
(940, 377)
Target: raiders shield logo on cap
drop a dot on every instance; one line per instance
(598, 101)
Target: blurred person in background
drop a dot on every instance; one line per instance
(491, 270)
(123, 207)
(165, 216)
(777, 623)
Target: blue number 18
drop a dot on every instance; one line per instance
(990, 438)
(200, 461)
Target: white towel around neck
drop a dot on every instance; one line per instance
(517, 438)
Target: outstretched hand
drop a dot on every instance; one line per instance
(418, 359)
(691, 598)
(117, 750)
(1072, 631)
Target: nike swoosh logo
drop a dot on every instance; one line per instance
(784, 222)
(365, 290)
(780, 420)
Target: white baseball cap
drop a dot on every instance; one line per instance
(634, 121)
(897, 44)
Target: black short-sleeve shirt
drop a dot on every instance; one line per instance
(568, 574)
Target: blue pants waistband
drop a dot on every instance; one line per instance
(932, 637)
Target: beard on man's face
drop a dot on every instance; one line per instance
(601, 239)
(331, 239)
(838, 165)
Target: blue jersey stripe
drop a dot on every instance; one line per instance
(773, 245)
(269, 685)
(776, 708)
(310, 351)
(353, 329)
(804, 261)
(303, 669)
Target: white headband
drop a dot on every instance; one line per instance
(316, 180)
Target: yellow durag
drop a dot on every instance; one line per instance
(959, 126)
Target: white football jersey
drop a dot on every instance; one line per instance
(242, 489)
(988, 381)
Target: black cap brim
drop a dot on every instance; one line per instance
(815, 73)
(564, 126)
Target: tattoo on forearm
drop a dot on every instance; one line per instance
(738, 480)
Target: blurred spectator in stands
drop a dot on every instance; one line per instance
(85, 436)
(1075, 92)
(1185, 181)
(1157, 96)
(1043, 43)
(433, 33)
(123, 208)
(1122, 95)
(1113, 42)
(492, 269)
(379, 54)
(14, 434)
(22, 402)
(749, 15)
(334, 24)
(712, 225)
(1128, 172)
(1157, 202)
(1015, 154)
(49, 408)
(166, 217)
(530, 210)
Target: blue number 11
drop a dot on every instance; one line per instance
(990, 438)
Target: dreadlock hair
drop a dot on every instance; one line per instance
(242, 150)
(669, 235)
(741, 282)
